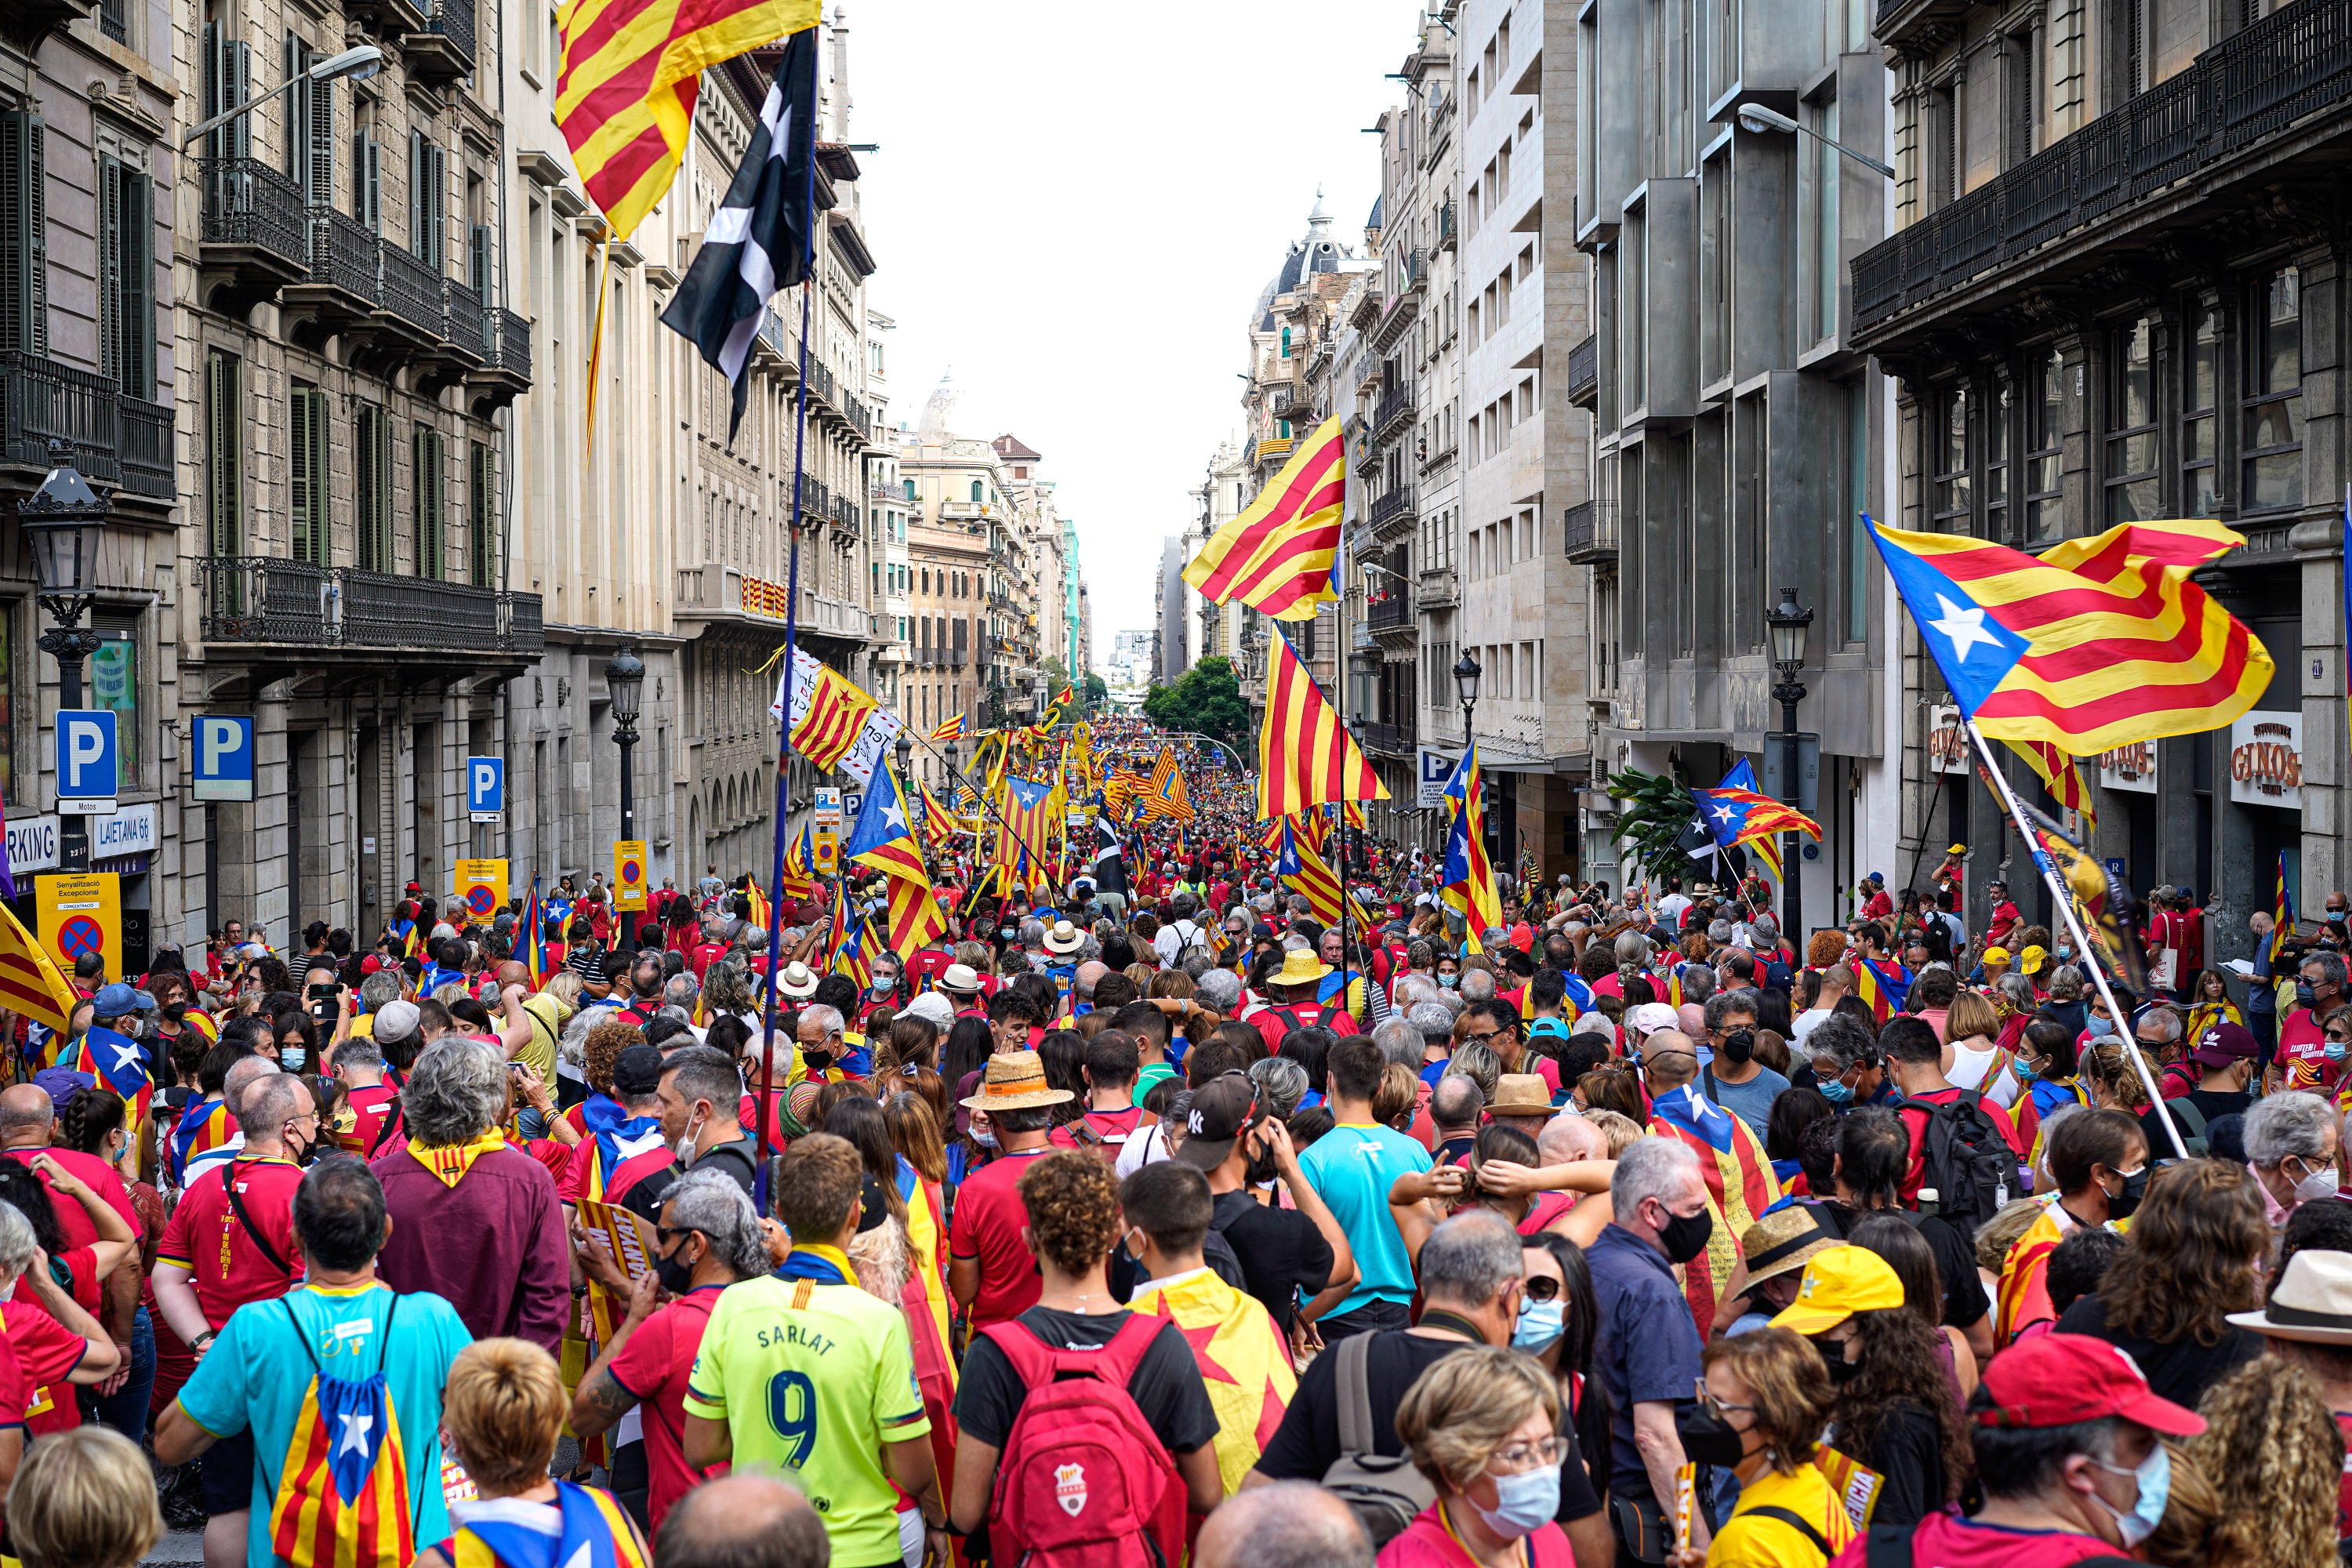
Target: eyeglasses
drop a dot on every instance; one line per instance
(1719, 1408)
(1490, 1037)
(1520, 1458)
(1542, 1288)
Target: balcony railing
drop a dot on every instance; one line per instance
(506, 342)
(1390, 739)
(1445, 236)
(1391, 610)
(454, 19)
(2250, 86)
(462, 311)
(412, 290)
(1584, 372)
(43, 401)
(147, 457)
(265, 599)
(1395, 412)
(1591, 530)
(1396, 506)
(247, 202)
(344, 255)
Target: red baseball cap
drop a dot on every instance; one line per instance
(2057, 1380)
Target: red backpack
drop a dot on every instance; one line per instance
(1082, 1479)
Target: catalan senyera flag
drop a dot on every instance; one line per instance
(2061, 775)
(951, 730)
(1164, 798)
(884, 837)
(1740, 1186)
(626, 89)
(1277, 556)
(2022, 1299)
(1020, 834)
(2095, 644)
(594, 1532)
(1305, 756)
(1299, 861)
(342, 1490)
(1468, 877)
(763, 913)
(30, 982)
(1063, 698)
(1743, 815)
(800, 866)
(838, 713)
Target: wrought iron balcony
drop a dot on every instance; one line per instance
(257, 235)
(1395, 413)
(466, 327)
(1445, 235)
(347, 258)
(1584, 373)
(264, 600)
(1392, 512)
(412, 291)
(146, 449)
(1387, 739)
(115, 440)
(1591, 530)
(2245, 91)
(505, 371)
(443, 49)
(1412, 271)
(1391, 611)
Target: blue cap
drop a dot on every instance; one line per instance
(119, 996)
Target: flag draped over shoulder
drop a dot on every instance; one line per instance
(116, 1061)
(30, 982)
(1468, 879)
(1277, 556)
(2095, 643)
(1305, 756)
(625, 86)
(836, 716)
(1885, 986)
(1739, 1186)
(884, 837)
(762, 237)
(1243, 1363)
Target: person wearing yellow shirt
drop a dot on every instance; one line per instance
(802, 1370)
(1767, 1397)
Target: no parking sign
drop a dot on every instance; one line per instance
(82, 914)
(483, 885)
(629, 874)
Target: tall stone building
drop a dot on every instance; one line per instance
(2118, 292)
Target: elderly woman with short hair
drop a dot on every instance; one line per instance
(1484, 1426)
(459, 1177)
(2291, 1147)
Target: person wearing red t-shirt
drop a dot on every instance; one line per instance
(27, 1123)
(231, 1240)
(1112, 1117)
(2005, 915)
(2303, 1059)
(1296, 983)
(58, 1345)
(1875, 905)
(1916, 1056)
(374, 1104)
(708, 1240)
(991, 1271)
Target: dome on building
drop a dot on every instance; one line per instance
(1317, 252)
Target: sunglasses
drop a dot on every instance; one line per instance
(1542, 1288)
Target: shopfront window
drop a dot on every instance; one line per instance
(2274, 403)
(2133, 490)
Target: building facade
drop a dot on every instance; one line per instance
(2118, 292)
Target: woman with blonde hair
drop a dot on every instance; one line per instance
(501, 1411)
(1973, 1027)
(83, 1499)
(1764, 1402)
(2112, 1077)
(2270, 1432)
(1483, 1425)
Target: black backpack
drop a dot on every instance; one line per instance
(1965, 1159)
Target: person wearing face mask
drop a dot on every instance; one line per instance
(707, 1238)
(1896, 1409)
(2099, 1160)
(2291, 1147)
(1847, 1068)
(1484, 1428)
(701, 1100)
(2307, 1058)
(1767, 1399)
(2065, 1434)
(1646, 1347)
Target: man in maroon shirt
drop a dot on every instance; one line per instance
(474, 1220)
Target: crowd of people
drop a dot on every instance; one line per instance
(1150, 1218)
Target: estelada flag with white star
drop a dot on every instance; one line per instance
(1242, 1361)
(2095, 643)
(884, 837)
(115, 1061)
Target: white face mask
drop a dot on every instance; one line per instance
(2319, 1182)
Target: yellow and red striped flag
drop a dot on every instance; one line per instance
(1277, 556)
(1305, 756)
(836, 715)
(1164, 798)
(2060, 774)
(800, 871)
(624, 91)
(30, 982)
(951, 730)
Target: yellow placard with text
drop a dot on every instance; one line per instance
(828, 851)
(629, 874)
(81, 913)
(483, 885)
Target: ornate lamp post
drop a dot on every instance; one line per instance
(63, 521)
(1788, 625)
(1466, 671)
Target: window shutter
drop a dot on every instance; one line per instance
(297, 107)
(225, 509)
(416, 193)
(479, 259)
(318, 180)
(136, 372)
(482, 550)
(299, 496)
(110, 263)
(439, 207)
(367, 183)
(236, 76)
(23, 235)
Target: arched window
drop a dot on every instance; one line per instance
(975, 492)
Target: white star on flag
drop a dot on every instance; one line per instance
(126, 1055)
(355, 1440)
(894, 816)
(1723, 814)
(1963, 626)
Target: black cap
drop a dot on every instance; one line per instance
(1221, 1108)
(636, 1071)
(873, 1208)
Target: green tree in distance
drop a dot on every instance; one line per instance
(1207, 700)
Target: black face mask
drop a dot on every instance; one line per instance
(1709, 1439)
(1685, 1236)
(2123, 1205)
(1841, 1371)
(1739, 1046)
(175, 1011)
(676, 1278)
(815, 1061)
(302, 1154)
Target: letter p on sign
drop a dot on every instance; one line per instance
(86, 753)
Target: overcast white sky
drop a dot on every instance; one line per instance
(1074, 207)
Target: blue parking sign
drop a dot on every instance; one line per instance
(220, 761)
(486, 787)
(87, 757)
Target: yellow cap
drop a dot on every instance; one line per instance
(1839, 1283)
(1996, 955)
(1958, 849)
(2032, 958)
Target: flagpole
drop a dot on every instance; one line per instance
(2064, 898)
(784, 725)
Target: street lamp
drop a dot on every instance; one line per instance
(358, 64)
(905, 751)
(625, 681)
(62, 522)
(1466, 671)
(1756, 119)
(1788, 626)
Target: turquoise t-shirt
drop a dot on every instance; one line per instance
(256, 1376)
(1353, 1167)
